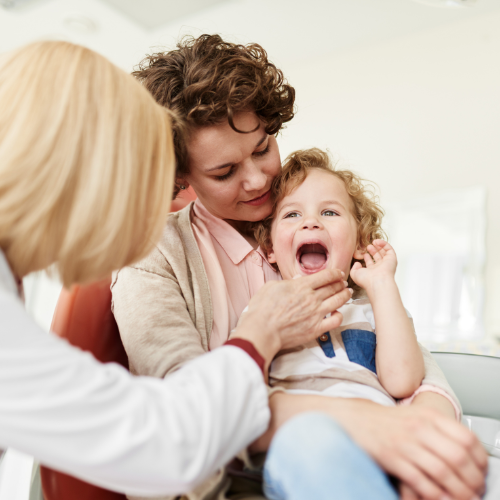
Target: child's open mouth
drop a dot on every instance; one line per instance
(312, 256)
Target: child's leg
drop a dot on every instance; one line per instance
(312, 457)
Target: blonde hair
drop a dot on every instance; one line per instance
(366, 209)
(86, 163)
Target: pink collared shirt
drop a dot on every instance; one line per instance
(235, 270)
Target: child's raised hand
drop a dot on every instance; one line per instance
(381, 263)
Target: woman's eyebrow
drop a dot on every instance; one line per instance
(232, 163)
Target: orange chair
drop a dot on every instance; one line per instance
(184, 198)
(83, 317)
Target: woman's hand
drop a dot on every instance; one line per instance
(435, 401)
(285, 314)
(433, 456)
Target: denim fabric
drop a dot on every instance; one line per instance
(327, 346)
(311, 457)
(360, 347)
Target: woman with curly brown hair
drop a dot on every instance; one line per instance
(187, 296)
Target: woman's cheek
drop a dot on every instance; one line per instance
(272, 165)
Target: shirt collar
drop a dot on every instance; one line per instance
(232, 242)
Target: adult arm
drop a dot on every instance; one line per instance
(139, 435)
(421, 446)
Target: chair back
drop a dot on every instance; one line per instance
(475, 380)
(185, 197)
(83, 317)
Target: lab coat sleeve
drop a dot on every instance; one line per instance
(137, 435)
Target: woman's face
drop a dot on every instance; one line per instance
(232, 172)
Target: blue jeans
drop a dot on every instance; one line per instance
(311, 457)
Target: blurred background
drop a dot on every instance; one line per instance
(405, 92)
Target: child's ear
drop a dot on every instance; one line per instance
(270, 256)
(359, 252)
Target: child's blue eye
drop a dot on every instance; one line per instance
(329, 213)
(291, 214)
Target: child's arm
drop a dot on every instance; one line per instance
(400, 365)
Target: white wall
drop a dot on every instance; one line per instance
(417, 115)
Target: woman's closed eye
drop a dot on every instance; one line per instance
(263, 152)
(231, 171)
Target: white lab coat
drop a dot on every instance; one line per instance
(137, 435)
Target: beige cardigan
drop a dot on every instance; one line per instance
(164, 312)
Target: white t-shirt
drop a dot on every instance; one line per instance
(341, 363)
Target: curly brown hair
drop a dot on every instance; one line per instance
(207, 80)
(366, 209)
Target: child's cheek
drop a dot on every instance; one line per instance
(343, 251)
(283, 245)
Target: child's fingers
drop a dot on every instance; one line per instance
(357, 265)
(368, 260)
(374, 253)
(380, 246)
(382, 252)
(383, 244)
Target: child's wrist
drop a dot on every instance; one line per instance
(381, 286)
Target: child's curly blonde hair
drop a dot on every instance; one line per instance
(367, 211)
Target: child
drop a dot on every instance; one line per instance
(325, 218)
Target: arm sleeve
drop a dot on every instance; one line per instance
(157, 319)
(249, 348)
(137, 435)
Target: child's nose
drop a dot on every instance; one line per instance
(312, 222)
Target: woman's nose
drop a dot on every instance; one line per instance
(255, 178)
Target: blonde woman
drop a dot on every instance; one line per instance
(86, 174)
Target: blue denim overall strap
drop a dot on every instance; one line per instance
(360, 347)
(325, 342)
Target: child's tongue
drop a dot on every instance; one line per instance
(312, 261)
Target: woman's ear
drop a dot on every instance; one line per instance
(181, 183)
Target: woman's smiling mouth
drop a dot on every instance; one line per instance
(312, 256)
(260, 200)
